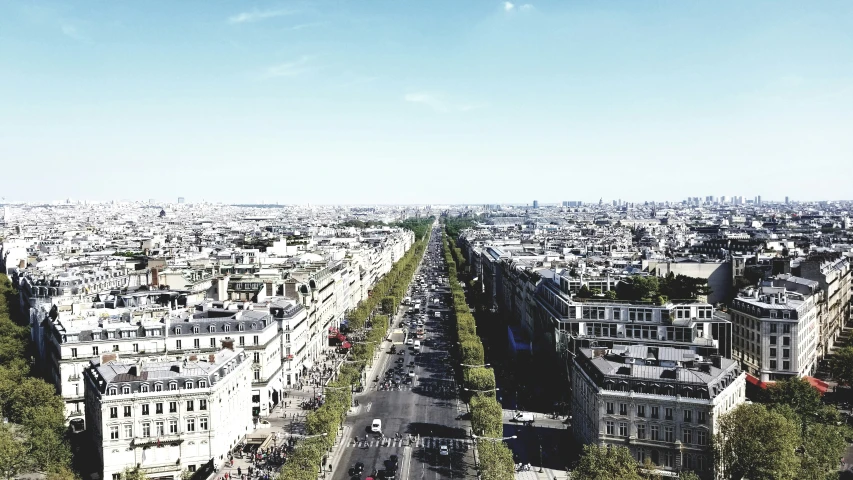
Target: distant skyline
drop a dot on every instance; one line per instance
(446, 102)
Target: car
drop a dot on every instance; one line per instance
(410, 342)
(359, 467)
(412, 372)
(443, 450)
(376, 426)
(395, 460)
(401, 360)
(401, 352)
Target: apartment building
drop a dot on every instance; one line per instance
(776, 332)
(834, 274)
(662, 403)
(166, 417)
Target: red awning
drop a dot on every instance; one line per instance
(342, 337)
(346, 345)
(820, 385)
(755, 381)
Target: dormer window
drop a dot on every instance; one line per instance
(173, 386)
(202, 384)
(178, 330)
(241, 327)
(211, 329)
(254, 326)
(144, 388)
(227, 327)
(113, 391)
(196, 330)
(188, 385)
(158, 387)
(125, 390)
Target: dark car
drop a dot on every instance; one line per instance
(359, 467)
(394, 461)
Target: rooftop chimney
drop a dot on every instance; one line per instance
(229, 344)
(108, 357)
(211, 358)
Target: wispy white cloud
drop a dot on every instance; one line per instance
(289, 69)
(258, 15)
(526, 7)
(71, 31)
(302, 26)
(508, 6)
(438, 103)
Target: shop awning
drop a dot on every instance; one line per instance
(755, 381)
(346, 345)
(820, 385)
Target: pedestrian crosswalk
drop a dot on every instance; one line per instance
(453, 444)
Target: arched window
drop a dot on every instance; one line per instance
(158, 387)
(177, 330)
(144, 388)
(113, 391)
(188, 385)
(125, 390)
(173, 386)
(202, 384)
(196, 330)
(211, 329)
(241, 327)
(227, 327)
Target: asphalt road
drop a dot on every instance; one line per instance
(417, 419)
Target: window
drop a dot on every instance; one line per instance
(116, 476)
(127, 411)
(73, 353)
(113, 412)
(641, 410)
(609, 427)
(173, 386)
(669, 434)
(196, 330)
(178, 332)
(213, 342)
(610, 408)
(146, 409)
(687, 436)
(772, 339)
(190, 424)
(202, 404)
(227, 327)
(641, 431)
(700, 418)
(188, 385)
(143, 388)
(786, 365)
(786, 341)
(655, 430)
(773, 364)
(173, 407)
(655, 412)
(115, 348)
(114, 432)
(196, 343)
(146, 429)
(257, 375)
(786, 353)
(623, 429)
(95, 351)
(701, 437)
(257, 358)
(128, 431)
(202, 423)
(125, 390)
(190, 406)
(255, 340)
(136, 347)
(772, 328)
(688, 416)
(202, 384)
(211, 329)
(158, 427)
(173, 427)
(241, 340)
(178, 345)
(241, 327)
(786, 328)
(773, 352)
(158, 387)
(623, 409)
(668, 413)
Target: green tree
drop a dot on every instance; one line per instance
(796, 393)
(472, 352)
(13, 454)
(688, 475)
(133, 474)
(583, 292)
(606, 463)
(389, 305)
(480, 378)
(745, 448)
(610, 294)
(486, 416)
(822, 446)
(841, 365)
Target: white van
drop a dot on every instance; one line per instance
(376, 426)
(417, 345)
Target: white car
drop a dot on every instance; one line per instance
(411, 373)
(443, 450)
(410, 342)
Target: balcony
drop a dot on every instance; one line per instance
(157, 441)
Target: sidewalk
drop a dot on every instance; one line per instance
(547, 474)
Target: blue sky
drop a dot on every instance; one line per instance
(436, 101)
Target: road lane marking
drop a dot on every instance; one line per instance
(369, 406)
